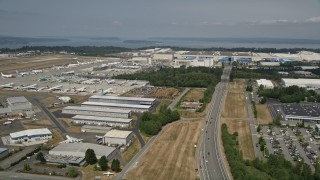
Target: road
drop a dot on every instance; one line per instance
(210, 157)
(176, 100)
(24, 176)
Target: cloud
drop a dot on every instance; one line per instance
(285, 21)
(314, 19)
(117, 23)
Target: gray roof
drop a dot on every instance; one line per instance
(107, 110)
(98, 118)
(122, 98)
(19, 99)
(4, 110)
(3, 150)
(96, 127)
(116, 105)
(30, 132)
(79, 149)
(306, 110)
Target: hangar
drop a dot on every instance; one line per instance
(96, 111)
(31, 135)
(97, 120)
(306, 83)
(132, 107)
(122, 100)
(117, 137)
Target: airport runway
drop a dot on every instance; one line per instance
(211, 162)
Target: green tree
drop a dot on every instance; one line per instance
(26, 167)
(90, 156)
(72, 172)
(40, 157)
(115, 165)
(103, 163)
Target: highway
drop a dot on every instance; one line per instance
(210, 158)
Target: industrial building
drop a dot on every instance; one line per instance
(74, 153)
(117, 137)
(16, 105)
(30, 135)
(306, 83)
(265, 83)
(4, 152)
(163, 57)
(132, 107)
(94, 111)
(299, 112)
(95, 129)
(122, 100)
(96, 120)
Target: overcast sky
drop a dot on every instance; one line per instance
(161, 18)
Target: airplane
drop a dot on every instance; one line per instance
(108, 173)
(69, 72)
(72, 65)
(98, 137)
(8, 75)
(75, 58)
(32, 86)
(10, 85)
(82, 63)
(11, 119)
(36, 71)
(23, 73)
(71, 140)
(109, 90)
(133, 83)
(83, 89)
(122, 83)
(111, 81)
(56, 88)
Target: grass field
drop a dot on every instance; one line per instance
(263, 116)
(172, 156)
(194, 95)
(235, 105)
(71, 128)
(57, 138)
(132, 150)
(235, 115)
(88, 173)
(163, 102)
(29, 124)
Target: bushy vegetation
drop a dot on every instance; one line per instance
(151, 124)
(72, 172)
(178, 77)
(292, 94)
(27, 155)
(90, 156)
(256, 73)
(115, 165)
(276, 166)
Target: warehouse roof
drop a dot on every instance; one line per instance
(122, 98)
(3, 150)
(4, 110)
(301, 82)
(79, 149)
(116, 105)
(86, 108)
(30, 132)
(98, 118)
(117, 134)
(19, 99)
(310, 110)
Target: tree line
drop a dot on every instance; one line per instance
(151, 124)
(275, 167)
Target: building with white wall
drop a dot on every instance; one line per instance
(306, 83)
(19, 105)
(132, 107)
(122, 100)
(102, 121)
(117, 137)
(168, 57)
(95, 111)
(265, 83)
(30, 135)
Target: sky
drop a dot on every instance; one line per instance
(165, 18)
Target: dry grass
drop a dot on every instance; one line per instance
(165, 93)
(163, 102)
(194, 95)
(244, 135)
(89, 173)
(57, 138)
(29, 124)
(49, 100)
(132, 150)
(264, 116)
(235, 105)
(192, 114)
(172, 156)
(71, 128)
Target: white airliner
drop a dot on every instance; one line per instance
(23, 73)
(72, 140)
(107, 91)
(83, 89)
(8, 75)
(56, 88)
(9, 85)
(108, 173)
(111, 81)
(32, 86)
(36, 71)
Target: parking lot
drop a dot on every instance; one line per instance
(296, 144)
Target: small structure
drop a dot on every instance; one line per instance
(265, 83)
(117, 137)
(30, 135)
(4, 152)
(191, 105)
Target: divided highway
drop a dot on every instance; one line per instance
(210, 157)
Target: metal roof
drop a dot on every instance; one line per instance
(4, 110)
(79, 149)
(107, 110)
(117, 134)
(3, 150)
(122, 98)
(98, 118)
(19, 99)
(30, 132)
(116, 105)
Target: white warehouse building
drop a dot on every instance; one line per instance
(96, 111)
(30, 135)
(306, 83)
(117, 137)
(97, 120)
(132, 107)
(265, 83)
(122, 100)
